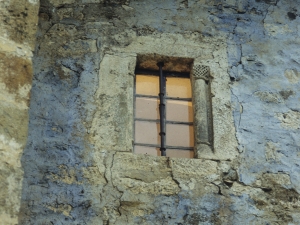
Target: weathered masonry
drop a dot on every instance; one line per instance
(67, 112)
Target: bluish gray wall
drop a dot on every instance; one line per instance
(263, 51)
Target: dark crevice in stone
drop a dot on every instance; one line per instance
(291, 15)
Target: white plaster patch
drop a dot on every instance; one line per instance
(14, 48)
(127, 8)
(33, 1)
(14, 183)
(7, 219)
(187, 185)
(24, 90)
(10, 151)
(8, 98)
(11, 143)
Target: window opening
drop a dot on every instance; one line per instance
(163, 114)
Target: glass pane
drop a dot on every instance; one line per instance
(179, 87)
(146, 150)
(179, 111)
(177, 153)
(147, 132)
(147, 85)
(146, 108)
(180, 135)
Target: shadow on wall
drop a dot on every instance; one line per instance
(56, 151)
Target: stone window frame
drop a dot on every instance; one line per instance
(112, 125)
(202, 109)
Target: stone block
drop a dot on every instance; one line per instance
(112, 128)
(148, 175)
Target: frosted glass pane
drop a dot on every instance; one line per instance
(177, 153)
(179, 111)
(147, 132)
(179, 87)
(146, 108)
(147, 85)
(146, 150)
(180, 135)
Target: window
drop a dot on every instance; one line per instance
(163, 114)
(205, 60)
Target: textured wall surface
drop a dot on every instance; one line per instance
(70, 178)
(18, 23)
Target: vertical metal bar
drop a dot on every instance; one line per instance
(162, 109)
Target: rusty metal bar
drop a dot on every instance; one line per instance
(162, 109)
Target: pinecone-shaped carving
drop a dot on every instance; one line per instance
(201, 72)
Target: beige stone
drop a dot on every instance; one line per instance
(16, 75)
(17, 38)
(21, 21)
(289, 120)
(271, 179)
(292, 75)
(269, 97)
(195, 176)
(132, 177)
(65, 13)
(112, 128)
(57, 3)
(65, 209)
(271, 151)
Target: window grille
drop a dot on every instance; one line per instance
(163, 113)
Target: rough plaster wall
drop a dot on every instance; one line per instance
(18, 23)
(69, 181)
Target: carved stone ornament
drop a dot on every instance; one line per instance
(201, 72)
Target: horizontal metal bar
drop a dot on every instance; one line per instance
(166, 73)
(168, 121)
(146, 96)
(168, 98)
(167, 147)
(179, 99)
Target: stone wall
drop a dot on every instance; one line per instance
(78, 165)
(17, 39)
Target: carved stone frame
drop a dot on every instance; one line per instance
(203, 123)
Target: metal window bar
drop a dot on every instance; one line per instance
(162, 107)
(166, 97)
(167, 121)
(157, 73)
(167, 146)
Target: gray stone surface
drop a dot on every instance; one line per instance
(252, 48)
